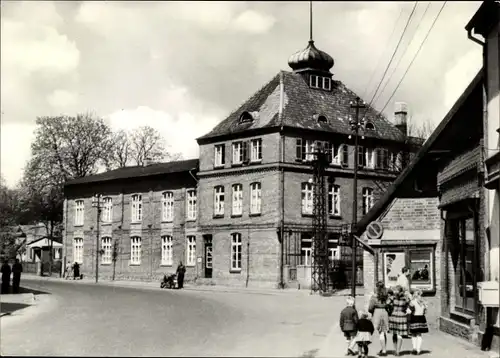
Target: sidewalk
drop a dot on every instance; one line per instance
(188, 287)
(436, 344)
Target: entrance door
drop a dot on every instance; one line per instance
(208, 256)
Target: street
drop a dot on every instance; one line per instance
(82, 318)
(92, 319)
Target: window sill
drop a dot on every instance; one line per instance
(167, 221)
(257, 161)
(106, 223)
(235, 271)
(254, 214)
(237, 164)
(191, 265)
(219, 166)
(78, 225)
(335, 216)
(307, 215)
(190, 220)
(166, 265)
(105, 263)
(135, 222)
(236, 215)
(218, 216)
(134, 264)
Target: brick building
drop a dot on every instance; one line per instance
(252, 221)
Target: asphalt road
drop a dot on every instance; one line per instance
(89, 319)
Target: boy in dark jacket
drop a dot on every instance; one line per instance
(348, 324)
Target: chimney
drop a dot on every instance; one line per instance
(401, 117)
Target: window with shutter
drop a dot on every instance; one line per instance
(298, 150)
(345, 155)
(245, 152)
(330, 148)
(361, 157)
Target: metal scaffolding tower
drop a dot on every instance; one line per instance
(319, 269)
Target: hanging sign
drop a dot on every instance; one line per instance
(374, 230)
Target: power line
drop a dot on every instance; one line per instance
(415, 56)
(392, 57)
(404, 53)
(382, 53)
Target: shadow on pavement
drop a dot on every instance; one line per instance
(30, 290)
(8, 308)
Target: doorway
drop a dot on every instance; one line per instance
(208, 256)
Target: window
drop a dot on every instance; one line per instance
(255, 198)
(382, 161)
(367, 200)
(236, 252)
(339, 154)
(246, 117)
(334, 200)
(255, 150)
(136, 208)
(369, 158)
(167, 206)
(219, 201)
(314, 81)
(320, 82)
(322, 119)
(191, 251)
(369, 126)
(238, 153)
(361, 157)
(107, 210)
(79, 212)
(237, 199)
(395, 161)
(421, 268)
(135, 250)
(327, 83)
(78, 250)
(305, 249)
(106, 250)
(307, 198)
(166, 250)
(191, 204)
(219, 159)
(57, 253)
(30, 254)
(393, 264)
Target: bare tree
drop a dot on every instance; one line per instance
(120, 152)
(71, 147)
(147, 143)
(422, 130)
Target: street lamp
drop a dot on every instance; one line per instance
(355, 123)
(96, 203)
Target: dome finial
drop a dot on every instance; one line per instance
(310, 21)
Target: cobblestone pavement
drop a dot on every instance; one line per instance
(136, 318)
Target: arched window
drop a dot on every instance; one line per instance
(369, 126)
(322, 119)
(246, 117)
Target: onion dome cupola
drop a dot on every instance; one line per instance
(311, 59)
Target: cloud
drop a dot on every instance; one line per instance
(253, 22)
(61, 99)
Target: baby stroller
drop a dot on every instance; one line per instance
(169, 281)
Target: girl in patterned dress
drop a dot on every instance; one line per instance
(398, 322)
(418, 323)
(364, 336)
(380, 310)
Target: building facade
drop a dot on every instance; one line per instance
(252, 218)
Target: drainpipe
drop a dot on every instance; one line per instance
(248, 257)
(282, 187)
(65, 237)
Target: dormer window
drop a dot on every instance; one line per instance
(246, 117)
(320, 82)
(369, 126)
(322, 119)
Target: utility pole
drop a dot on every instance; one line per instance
(96, 202)
(355, 126)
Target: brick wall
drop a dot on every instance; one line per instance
(413, 214)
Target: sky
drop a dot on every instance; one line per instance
(182, 67)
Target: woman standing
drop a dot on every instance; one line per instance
(379, 309)
(398, 322)
(418, 323)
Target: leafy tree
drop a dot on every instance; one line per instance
(9, 215)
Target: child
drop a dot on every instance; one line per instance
(348, 323)
(365, 332)
(418, 323)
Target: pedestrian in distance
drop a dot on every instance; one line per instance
(398, 321)
(69, 271)
(365, 332)
(76, 270)
(6, 272)
(17, 269)
(380, 310)
(348, 324)
(181, 270)
(418, 322)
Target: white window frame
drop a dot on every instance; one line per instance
(334, 253)
(78, 250)
(136, 208)
(236, 252)
(107, 212)
(191, 204)
(334, 199)
(219, 200)
(79, 212)
(255, 198)
(326, 83)
(106, 246)
(237, 151)
(307, 251)
(237, 200)
(310, 147)
(167, 206)
(256, 150)
(338, 154)
(219, 155)
(167, 253)
(190, 250)
(314, 81)
(369, 158)
(307, 198)
(135, 250)
(367, 200)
